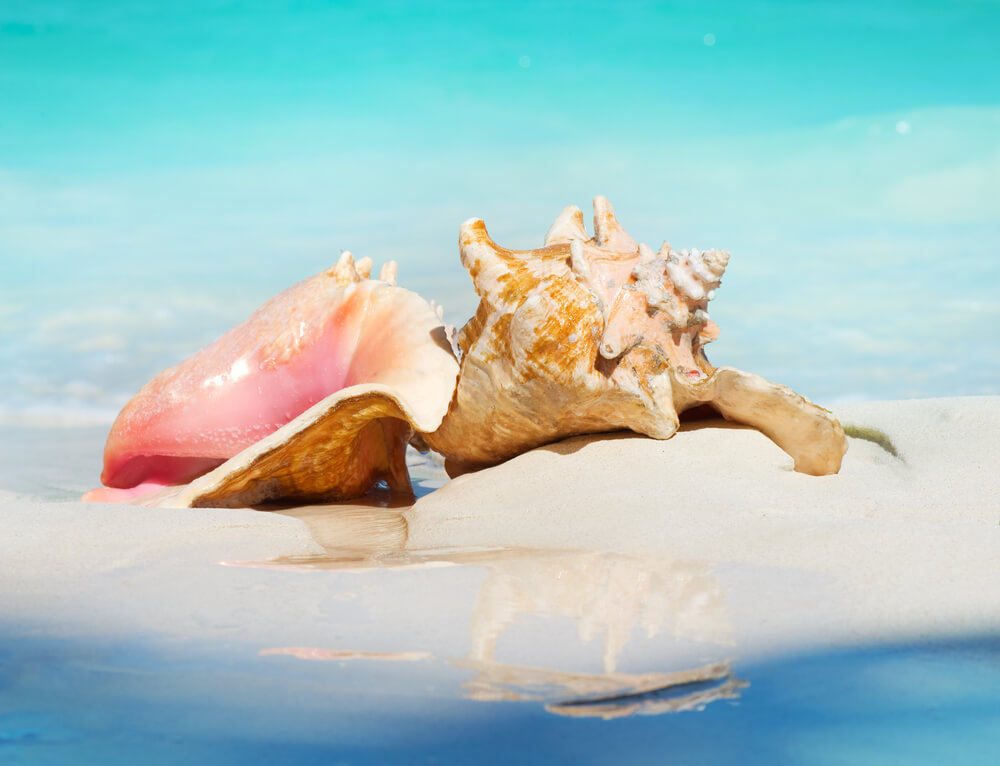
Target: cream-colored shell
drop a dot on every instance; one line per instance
(586, 335)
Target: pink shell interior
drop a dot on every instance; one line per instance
(312, 340)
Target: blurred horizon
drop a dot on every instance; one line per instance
(165, 168)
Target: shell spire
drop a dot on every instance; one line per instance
(696, 274)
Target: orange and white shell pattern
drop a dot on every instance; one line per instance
(593, 334)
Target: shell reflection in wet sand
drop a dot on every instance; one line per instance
(607, 695)
(340, 655)
(608, 595)
(674, 693)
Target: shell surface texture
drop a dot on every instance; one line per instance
(314, 397)
(593, 334)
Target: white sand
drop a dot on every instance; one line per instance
(904, 544)
(709, 535)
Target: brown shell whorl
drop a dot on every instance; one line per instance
(595, 334)
(577, 336)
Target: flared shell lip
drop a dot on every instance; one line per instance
(424, 417)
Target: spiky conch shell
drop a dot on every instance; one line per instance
(366, 360)
(587, 335)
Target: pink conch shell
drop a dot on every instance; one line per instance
(586, 335)
(363, 359)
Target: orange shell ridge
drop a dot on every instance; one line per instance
(593, 334)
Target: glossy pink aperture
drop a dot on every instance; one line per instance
(297, 349)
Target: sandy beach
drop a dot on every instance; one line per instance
(587, 579)
(894, 545)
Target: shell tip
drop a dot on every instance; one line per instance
(388, 272)
(607, 231)
(363, 267)
(567, 227)
(343, 270)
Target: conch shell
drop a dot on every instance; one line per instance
(317, 394)
(314, 397)
(586, 335)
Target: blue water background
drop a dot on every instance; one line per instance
(166, 167)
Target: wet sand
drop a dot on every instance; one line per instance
(614, 532)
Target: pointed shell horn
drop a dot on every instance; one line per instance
(388, 272)
(607, 231)
(646, 254)
(364, 267)
(477, 250)
(343, 270)
(567, 227)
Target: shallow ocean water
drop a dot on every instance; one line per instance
(160, 178)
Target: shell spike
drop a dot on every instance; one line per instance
(477, 249)
(343, 270)
(607, 231)
(473, 232)
(388, 272)
(567, 227)
(364, 267)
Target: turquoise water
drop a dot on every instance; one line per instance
(164, 168)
